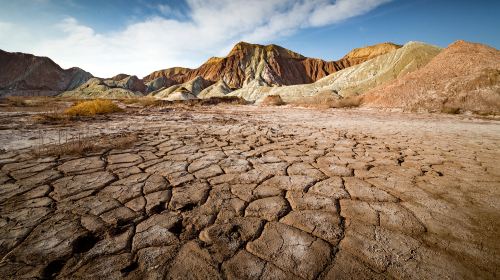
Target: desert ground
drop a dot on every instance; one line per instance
(249, 192)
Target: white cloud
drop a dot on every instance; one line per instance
(211, 28)
(341, 10)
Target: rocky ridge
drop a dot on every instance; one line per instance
(245, 66)
(267, 65)
(187, 90)
(119, 86)
(354, 80)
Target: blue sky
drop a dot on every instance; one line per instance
(138, 36)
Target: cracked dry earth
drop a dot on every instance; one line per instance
(261, 193)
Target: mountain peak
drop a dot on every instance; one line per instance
(247, 48)
(372, 51)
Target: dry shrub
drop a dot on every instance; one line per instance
(92, 108)
(322, 100)
(450, 110)
(272, 100)
(81, 145)
(146, 101)
(17, 101)
(325, 100)
(233, 100)
(348, 102)
(52, 117)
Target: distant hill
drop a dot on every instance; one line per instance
(463, 77)
(119, 86)
(26, 74)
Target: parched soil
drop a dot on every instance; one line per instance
(242, 192)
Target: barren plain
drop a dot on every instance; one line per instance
(247, 192)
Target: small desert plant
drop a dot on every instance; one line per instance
(92, 108)
(272, 100)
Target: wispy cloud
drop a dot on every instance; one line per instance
(209, 27)
(169, 11)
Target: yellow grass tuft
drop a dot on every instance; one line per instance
(92, 108)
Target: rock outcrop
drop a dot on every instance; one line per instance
(268, 65)
(354, 80)
(159, 83)
(463, 77)
(119, 86)
(26, 74)
(185, 91)
(218, 89)
(360, 55)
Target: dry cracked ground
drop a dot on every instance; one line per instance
(260, 193)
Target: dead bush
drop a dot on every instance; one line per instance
(17, 101)
(272, 100)
(81, 144)
(52, 117)
(92, 108)
(347, 102)
(146, 101)
(322, 100)
(233, 100)
(327, 99)
(450, 110)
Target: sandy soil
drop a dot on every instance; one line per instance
(245, 192)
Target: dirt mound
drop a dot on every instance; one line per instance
(269, 65)
(464, 77)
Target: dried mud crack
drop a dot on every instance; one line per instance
(254, 193)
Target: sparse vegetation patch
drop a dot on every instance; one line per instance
(81, 144)
(92, 108)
